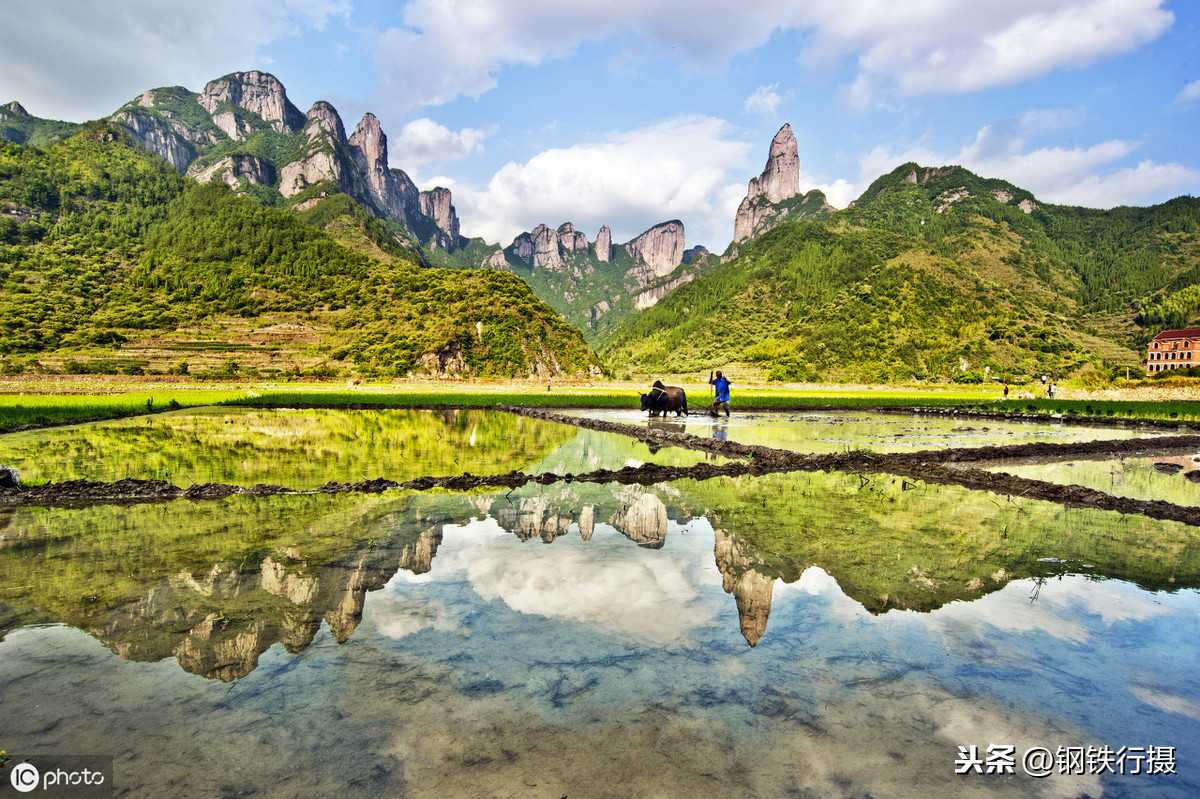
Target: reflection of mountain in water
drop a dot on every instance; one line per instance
(639, 515)
(245, 574)
(218, 625)
(751, 589)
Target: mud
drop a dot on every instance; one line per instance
(930, 466)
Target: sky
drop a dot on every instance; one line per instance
(634, 112)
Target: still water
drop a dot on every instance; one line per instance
(842, 430)
(801, 634)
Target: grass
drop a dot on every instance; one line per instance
(24, 411)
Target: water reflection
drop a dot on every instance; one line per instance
(1174, 479)
(838, 431)
(305, 449)
(445, 644)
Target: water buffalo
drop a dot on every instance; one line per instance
(664, 399)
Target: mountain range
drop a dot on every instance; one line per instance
(932, 273)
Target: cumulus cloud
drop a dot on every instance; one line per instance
(953, 47)
(1189, 95)
(106, 53)
(653, 600)
(765, 100)
(424, 140)
(1092, 176)
(444, 50)
(688, 168)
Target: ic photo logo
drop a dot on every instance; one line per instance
(25, 777)
(65, 776)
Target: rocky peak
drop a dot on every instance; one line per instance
(14, 109)
(257, 92)
(392, 190)
(324, 117)
(545, 249)
(369, 143)
(779, 181)
(436, 204)
(656, 252)
(604, 248)
(570, 239)
(780, 178)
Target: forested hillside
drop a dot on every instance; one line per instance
(114, 262)
(932, 274)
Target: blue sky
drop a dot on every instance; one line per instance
(633, 112)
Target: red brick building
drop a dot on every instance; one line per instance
(1173, 349)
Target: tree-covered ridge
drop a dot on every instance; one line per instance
(1106, 261)
(20, 127)
(809, 301)
(105, 247)
(932, 273)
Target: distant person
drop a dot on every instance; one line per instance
(1051, 392)
(1006, 390)
(547, 385)
(721, 386)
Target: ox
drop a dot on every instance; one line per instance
(664, 399)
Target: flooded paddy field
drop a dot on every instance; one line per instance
(817, 633)
(304, 449)
(840, 431)
(1170, 477)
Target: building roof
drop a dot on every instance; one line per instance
(1191, 332)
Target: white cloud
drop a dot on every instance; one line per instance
(956, 46)
(104, 54)
(444, 50)
(1189, 95)
(1092, 176)
(765, 100)
(424, 140)
(653, 600)
(677, 169)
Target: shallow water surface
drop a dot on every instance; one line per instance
(801, 634)
(841, 431)
(1170, 478)
(305, 449)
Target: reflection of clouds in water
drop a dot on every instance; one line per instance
(630, 591)
(1163, 700)
(397, 616)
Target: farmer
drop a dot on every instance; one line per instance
(721, 386)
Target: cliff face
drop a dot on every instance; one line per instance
(656, 252)
(257, 92)
(436, 205)
(779, 182)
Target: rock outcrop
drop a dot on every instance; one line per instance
(13, 109)
(240, 104)
(651, 296)
(157, 137)
(656, 252)
(327, 158)
(257, 92)
(571, 240)
(604, 245)
(237, 171)
(436, 205)
(779, 182)
(643, 520)
(393, 191)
